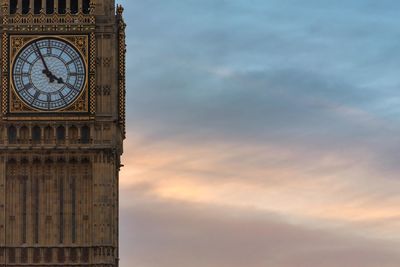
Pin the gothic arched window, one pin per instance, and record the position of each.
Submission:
(60, 133)
(85, 255)
(61, 255)
(86, 6)
(36, 255)
(25, 6)
(36, 134)
(11, 255)
(24, 255)
(49, 6)
(74, 6)
(62, 6)
(48, 256)
(13, 6)
(37, 7)
(73, 255)
(85, 135)
(12, 135)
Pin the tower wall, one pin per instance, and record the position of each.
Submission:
(59, 189)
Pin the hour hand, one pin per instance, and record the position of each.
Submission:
(49, 75)
(47, 72)
(55, 78)
(59, 80)
(52, 77)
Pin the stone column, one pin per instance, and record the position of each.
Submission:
(30, 131)
(31, 6)
(19, 7)
(68, 6)
(80, 6)
(79, 134)
(41, 141)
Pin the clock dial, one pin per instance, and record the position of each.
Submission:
(49, 74)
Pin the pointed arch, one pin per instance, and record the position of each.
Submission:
(62, 6)
(74, 6)
(49, 6)
(13, 6)
(37, 6)
(12, 134)
(25, 6)
(60, 134)
(85, 135)
(86, 6)
(36, 134)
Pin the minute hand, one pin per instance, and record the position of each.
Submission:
(46, 70)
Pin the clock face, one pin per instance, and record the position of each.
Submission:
(49, 74)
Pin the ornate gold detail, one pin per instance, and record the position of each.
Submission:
(80, 104)
(103, 90)
(48, 22)
(4, 6)
(81, 43)
(4, 68)
(92, 73)
(107, 62)
(106, 90)
(48, 118)
(121, 68)
(11, 103)
(17, 43)
(120, 10)
(92, 7)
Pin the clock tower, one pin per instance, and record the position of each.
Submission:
(62, 126)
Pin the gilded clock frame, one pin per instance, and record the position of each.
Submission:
(13, 107)
(19, 43)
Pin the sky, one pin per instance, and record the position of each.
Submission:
(261, 133)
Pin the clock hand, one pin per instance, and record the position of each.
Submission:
(59, 80)
(46, 70)
(55, 78)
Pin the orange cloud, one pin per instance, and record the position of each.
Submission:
(325, 191)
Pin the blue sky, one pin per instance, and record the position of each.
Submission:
(262, 133)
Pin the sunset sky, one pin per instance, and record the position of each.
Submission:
(262, 133)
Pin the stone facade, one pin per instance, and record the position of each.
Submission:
(59, 170)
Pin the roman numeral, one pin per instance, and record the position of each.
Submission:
(70, 86)
(37, 94)
(62, 98)
(71, 61)
(35, 97)
(26, 87)
(26, 61)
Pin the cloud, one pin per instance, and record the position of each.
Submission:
(169, 233)
(309, 187)
(262, 133)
